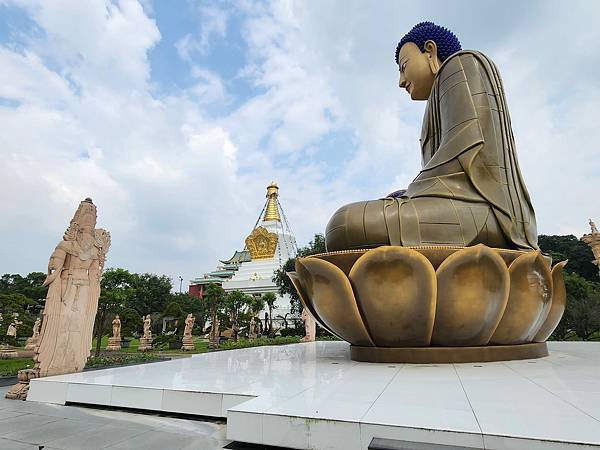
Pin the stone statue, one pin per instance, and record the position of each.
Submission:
(252, 333)
(1, 318)
(147, 324)
(74, 274)
(188, 342)
(33, 340)
(146, 339)
(470, 189)
(593, 240)
(12, 330)
(114, 342)
(189, 324)
(116, 326)
(310, 326)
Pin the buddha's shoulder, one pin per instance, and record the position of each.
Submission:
(470, 62)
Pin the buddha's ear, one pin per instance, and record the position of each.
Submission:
(432, 56)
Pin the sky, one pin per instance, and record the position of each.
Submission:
(174, 116)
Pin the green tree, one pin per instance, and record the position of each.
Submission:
(283, 282)
(150, 293)
(270, 298)
(582, 313)
(114, 294)
(578, 253)
(16, 303)
(131, 322)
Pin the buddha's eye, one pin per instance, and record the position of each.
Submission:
(403, 67)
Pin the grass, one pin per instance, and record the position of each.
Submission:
(10, 367)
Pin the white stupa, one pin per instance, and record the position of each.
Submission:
(269, 245)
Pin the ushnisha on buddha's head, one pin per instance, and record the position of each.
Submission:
(419, 55)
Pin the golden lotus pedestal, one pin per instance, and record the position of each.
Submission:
(435, 304)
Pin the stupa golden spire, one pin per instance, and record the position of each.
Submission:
(272, 211)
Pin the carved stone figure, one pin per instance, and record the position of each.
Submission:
(310, 326)
(470, 189)
(33, 340)
(114, 343)
(215, 333)
(252, 332)
(593, 240)
(188, 342)
(74, 274)
(12, 330)
(146, 339)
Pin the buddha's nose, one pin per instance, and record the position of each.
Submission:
(402, 82)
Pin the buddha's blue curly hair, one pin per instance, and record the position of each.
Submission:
(447, 43)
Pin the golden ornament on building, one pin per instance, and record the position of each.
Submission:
(261, 243)
(272, 211)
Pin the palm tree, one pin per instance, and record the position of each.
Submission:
(270, 298)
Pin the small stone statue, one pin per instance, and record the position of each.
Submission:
(114, 343)
(310, 326)
(252, 334)
(188, 342)
(12, 330)
(33, 340)
(215, 333)
(146, 340)
(593, 240)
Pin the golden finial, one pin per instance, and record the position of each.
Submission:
(272, 211)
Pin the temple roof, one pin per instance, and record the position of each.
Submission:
(238, 257)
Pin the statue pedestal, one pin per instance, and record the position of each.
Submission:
(188, 344)
(145, 344)
(8, 352)
(19, 391)
(114, 344)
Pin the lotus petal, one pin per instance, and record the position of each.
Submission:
(557, 308)
(303, 297)
(396, 289)
(528, 301)
(473, 286)
(333, 301)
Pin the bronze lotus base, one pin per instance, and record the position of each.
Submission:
(434, 304)
(435, 355)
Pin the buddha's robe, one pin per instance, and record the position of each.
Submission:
(470, 189)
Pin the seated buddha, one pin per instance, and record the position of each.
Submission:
(470, 189)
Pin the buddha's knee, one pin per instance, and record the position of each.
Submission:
(357, 225)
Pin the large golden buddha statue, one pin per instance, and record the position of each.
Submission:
(470, 189)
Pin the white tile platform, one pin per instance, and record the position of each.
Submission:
(312, 396)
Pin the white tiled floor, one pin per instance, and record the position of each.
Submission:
(314, 396)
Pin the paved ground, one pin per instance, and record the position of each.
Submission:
(35, 426)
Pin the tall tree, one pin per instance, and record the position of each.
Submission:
(578, 253)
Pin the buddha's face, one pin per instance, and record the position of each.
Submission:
(418, 69)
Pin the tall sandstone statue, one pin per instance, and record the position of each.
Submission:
(74, 275)
(470, 189)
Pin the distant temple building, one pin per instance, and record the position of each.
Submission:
(250, 270)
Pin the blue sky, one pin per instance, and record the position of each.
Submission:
(175, 115)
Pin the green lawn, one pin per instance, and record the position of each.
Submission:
(10, 367)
